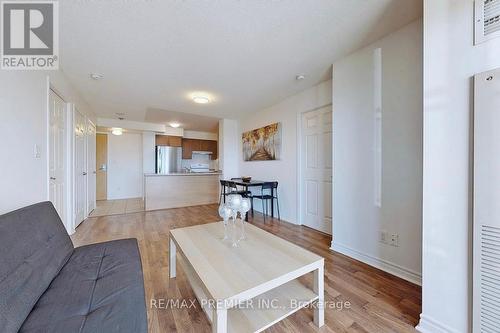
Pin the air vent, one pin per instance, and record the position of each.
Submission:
(487, 20)
(490, 279)
(491, 16)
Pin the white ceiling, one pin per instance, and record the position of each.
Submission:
(244, 53)
(188, 121)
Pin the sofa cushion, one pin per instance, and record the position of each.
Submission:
(34, 247)
(100, 289)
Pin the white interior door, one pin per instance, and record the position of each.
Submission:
(486, 260)
(57, 154)
(80, 167)
(91, 167)
(316, 169)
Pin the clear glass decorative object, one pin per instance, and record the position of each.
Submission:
(234, 231)
(225, 213)
(234, 201)
(244, 208)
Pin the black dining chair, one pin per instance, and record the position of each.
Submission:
(268, 192)
(228, 187)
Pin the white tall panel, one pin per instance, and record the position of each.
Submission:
(486, 260)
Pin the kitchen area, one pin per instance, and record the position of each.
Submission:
(186, 173)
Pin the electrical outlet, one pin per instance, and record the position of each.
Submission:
(394, 241)
(384, 237)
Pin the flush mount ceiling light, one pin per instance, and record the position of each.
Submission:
(96, 76)
(201, 99)
(300, 77)
(175, 125)
(117, 131)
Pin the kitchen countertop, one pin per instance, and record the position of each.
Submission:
(183, 174)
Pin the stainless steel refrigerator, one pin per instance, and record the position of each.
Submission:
(168, 159)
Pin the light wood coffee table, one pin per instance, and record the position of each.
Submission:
(250, 287)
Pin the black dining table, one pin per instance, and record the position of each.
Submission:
(254, 183)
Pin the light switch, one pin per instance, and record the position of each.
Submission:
(36, 151)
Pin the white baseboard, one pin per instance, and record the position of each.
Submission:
(384, 265)
(429, 325)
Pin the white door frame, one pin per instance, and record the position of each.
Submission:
(90, 170)
(107, 163)
(68, 183)
(85, 213)
(300, 204)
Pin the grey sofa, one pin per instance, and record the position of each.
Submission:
(47, 285)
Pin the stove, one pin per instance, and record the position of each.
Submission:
(200, 167)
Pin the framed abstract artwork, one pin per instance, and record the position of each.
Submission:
(262, 144)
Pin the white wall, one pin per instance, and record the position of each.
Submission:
(357, 220)
(23, 119)
(200, 135)
(228, 148)
(450, 61)
(125, 166)
(285, 170)
(148, 152)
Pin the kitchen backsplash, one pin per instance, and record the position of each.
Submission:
(201, 158)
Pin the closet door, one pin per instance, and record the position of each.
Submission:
(57, 155)
(316, 169)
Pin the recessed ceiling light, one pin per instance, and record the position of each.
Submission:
(96, 76)
(117, 131)
(300, 77)
(175, 125)
(201, 99)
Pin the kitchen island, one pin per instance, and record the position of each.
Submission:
(183, 189)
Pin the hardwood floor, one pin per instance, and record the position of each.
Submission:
(116, 207)
(379, 302)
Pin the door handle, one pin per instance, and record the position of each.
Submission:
(52, 178)
(84, 173)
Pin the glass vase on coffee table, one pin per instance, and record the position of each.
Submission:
(234, 202)
(243, 209)
(225, 212)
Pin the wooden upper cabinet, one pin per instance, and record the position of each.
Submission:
(168, 140)
(190, 145)
(175, 141)
(212, 146)
(162, 140)
(187, 149)
(204, 145)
